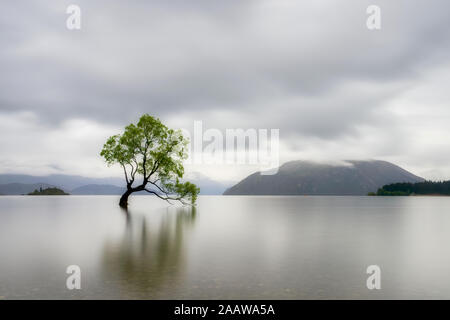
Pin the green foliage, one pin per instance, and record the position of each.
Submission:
(419, 188)
(48, 192)
(382, 192)
(154, 152)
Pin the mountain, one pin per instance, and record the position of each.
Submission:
(310, 178)
(12, 184)
(207, 186)
(98, 189)
(21, 188)
(65, 182)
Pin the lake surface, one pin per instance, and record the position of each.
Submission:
(233, 247)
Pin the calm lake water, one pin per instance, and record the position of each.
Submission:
(227, 248)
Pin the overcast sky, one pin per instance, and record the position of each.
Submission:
(312, 69)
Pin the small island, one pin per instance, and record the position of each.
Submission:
(430, 188)
(48, 192)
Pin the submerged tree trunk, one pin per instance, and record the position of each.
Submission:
(124, 198)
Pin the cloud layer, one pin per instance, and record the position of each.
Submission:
(335, 89)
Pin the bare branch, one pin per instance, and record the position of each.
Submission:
(133, 173)
(125, 172)
(159, 196)
(155, 167)
(167, 198)
(162, 190)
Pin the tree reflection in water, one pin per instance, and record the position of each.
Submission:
(150, 255)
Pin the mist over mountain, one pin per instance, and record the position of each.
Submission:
(311, 178)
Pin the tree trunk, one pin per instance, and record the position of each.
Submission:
(124, 198)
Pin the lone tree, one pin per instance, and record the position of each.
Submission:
(153, 154)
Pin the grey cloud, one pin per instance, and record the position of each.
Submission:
(310, 69)
(175, 59)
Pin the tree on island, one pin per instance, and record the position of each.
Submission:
(418, 188)
(154, 152)
(48, 192)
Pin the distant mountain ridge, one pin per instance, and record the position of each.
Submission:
(21, 188)
(65, 182)
(17, 184)
(98, 189)
(355, 177)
